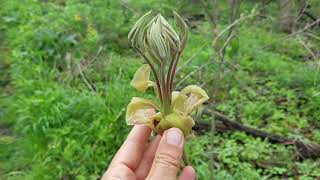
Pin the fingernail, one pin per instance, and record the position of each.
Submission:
(174, 136)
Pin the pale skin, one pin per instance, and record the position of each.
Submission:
(158, 160)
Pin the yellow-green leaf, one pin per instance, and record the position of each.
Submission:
(178, 102)
(183, 30)
(196, 97)
(141, 80)
(184, 123)
(141, 111)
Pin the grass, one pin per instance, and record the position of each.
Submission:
(56, 127)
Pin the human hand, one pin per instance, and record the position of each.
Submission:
(158, 160)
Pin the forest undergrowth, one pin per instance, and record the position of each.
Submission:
(65, 72)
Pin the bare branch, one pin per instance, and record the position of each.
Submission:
(193, 72)
(237, 21)
(305, 28)
(192, 57)
(91, 87)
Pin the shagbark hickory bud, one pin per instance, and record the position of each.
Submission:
(161, 40)
(161, 46)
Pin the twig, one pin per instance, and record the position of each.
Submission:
(97, 55)
(207, 82)
(120, 114)
(221, 50)
(312, 35)
(230, 26)
(212, 16)
(225, 45)
(125, 5)
(91, 61)
(301, 12)
(217, 76)
(191, 58)
(291, 35)
(85, 79)
(309, 15)
(307, 48)
(194, 71)
(305, 28)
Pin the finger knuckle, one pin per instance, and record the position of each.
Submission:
(118, 172)
(167, 160)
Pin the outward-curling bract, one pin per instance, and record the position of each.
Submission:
(161, 46)
(141, 80)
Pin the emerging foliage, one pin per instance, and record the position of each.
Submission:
(160, 46)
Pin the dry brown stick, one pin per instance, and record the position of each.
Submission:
(305, 28)
(304, 150)
(91, 87)
(234, 125)
(312, 35)
(234, 23)
(194, 71)
(291, 35)
(187, 62)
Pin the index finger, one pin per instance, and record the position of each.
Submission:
(130, 153)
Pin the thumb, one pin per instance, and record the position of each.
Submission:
(169, 153)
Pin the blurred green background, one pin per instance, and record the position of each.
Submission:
(65, 69)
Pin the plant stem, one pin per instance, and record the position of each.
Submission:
(165, 95)
(154, 74)
(172, 70)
